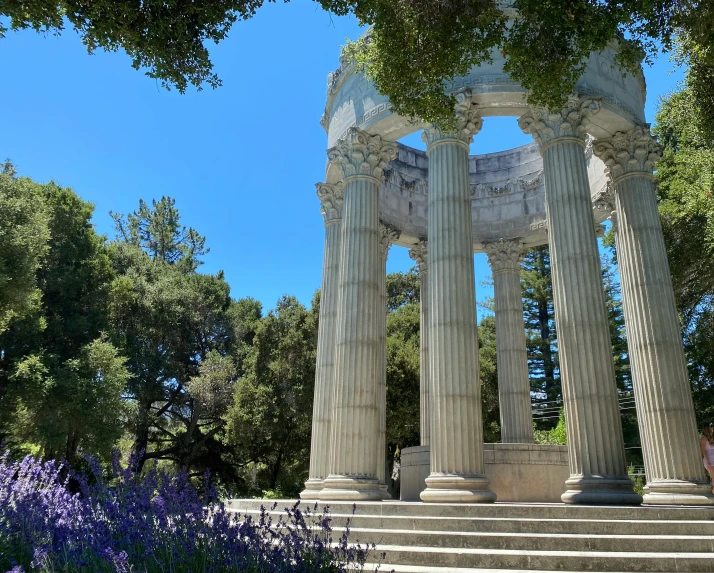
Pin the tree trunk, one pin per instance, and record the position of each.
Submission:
(141, 438)
(276, 470)
(72, 445)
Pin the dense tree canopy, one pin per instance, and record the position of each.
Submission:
(414, 47)
(23, 244)
(60, 378)
(271, 415)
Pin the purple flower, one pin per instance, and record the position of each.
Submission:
(153, 522)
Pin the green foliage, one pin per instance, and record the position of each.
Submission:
(158, 231)
(638, 480)
(488, 374)
(403, 418)
(174, 326)
(427, 42)
(23, 244)
(270, 419)
(61, 379)
(685, 173)
(73, 405)
(402, 289)
(548, 45)
(555, 436)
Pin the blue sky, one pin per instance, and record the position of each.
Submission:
(241, 161)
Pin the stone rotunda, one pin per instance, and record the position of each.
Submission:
(591, 161)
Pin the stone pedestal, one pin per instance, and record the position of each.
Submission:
(420, 254)
(514, 393)
(353, 461)
(597, 455)
(331, 197)
(457, 473)
(520, 473)
(665, 411)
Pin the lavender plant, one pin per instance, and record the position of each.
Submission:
(153, 523)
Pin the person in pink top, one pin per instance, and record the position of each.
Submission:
(707, 446)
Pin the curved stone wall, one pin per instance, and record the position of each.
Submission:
(507, 190)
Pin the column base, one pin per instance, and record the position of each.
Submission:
(312, 489)
(348, 488)
(457, 488)
(678, 492)
(385, 491)
(600, 491)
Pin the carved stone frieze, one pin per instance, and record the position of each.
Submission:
(633, 151)
(331, 200)
(511, 186)
(387, 236)
(468, 122)
(605, 199)
(504, 255)
(411, 184)
(547, 125)
(539, 225)
(419, 253)
(361, 154)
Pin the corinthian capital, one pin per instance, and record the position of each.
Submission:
(331, 200)
(387, 236)
(504, 255)
(361, 154)
(546, 125)
(419, 254)
(633, 151)
(468, 122)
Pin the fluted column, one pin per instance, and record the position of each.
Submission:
(457, 470)
(419, 254)
(514, 392)
(387, 235)
(353, 463)
(665, 411)
(331, 197)
(598, 473)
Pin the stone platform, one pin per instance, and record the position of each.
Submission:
(517, 472)
(470, 538)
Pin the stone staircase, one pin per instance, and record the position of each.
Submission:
(421, 538)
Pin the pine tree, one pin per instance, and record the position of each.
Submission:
(539, 319)
(620, 355)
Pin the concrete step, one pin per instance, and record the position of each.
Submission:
(516, 525)
(545, 560)
(369, 567)
(495, 510)
(535, 541)
(423, 538)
